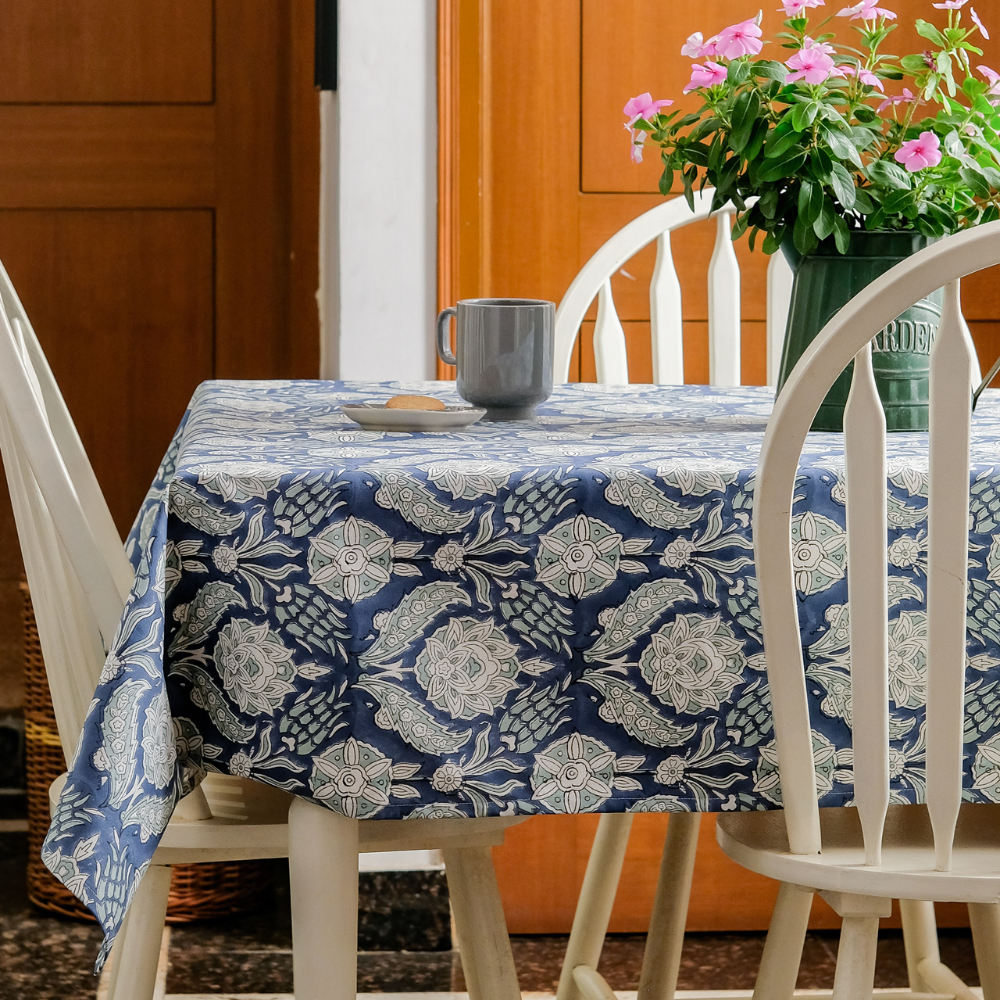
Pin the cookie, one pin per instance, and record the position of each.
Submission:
(414, 403)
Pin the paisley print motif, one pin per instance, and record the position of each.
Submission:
(554, 616)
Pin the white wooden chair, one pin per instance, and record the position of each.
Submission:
(594, 281)
(79, 578)
(859, 859)
(661, 960)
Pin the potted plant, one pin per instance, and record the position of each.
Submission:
(844, 178)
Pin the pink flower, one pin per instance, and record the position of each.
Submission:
(919, 153)
(979, 24)
(812, 64)
(867, 10)
(993, 78)
(642, 106)
(705, 76)
(795, 7)
(951, 5)
(741, 39)
(697, 48)
(866, 76)
(894, 99)
(692, 47)
(822, 46)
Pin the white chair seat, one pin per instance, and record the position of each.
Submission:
(759, 841)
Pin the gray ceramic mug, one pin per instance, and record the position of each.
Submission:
(504, 353)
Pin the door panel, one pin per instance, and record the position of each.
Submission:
(545, 156)
(100, 51)
(107, 156)
(159, 212)
(124, 300)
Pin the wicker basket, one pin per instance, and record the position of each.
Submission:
(197, 892)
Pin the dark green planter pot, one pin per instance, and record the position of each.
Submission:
(826, 280)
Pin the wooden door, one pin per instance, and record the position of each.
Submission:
(535, 176)
(159, 178)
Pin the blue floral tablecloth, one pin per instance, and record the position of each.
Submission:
(548, 617)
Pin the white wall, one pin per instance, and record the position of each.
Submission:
(379, 244)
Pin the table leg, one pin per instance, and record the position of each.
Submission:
(323, 868)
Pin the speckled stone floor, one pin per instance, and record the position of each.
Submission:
(44, 958)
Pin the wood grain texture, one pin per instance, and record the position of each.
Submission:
(535, 152)
(86, 156)
(126, 322)
(303, 200)
(106, 51)
(159, 179)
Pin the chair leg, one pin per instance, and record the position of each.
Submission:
(779, 965)
(133, 974)
(597, 896)
(323, 869)
(985, 921)
(855, 975)
(661, 959)
(482, 929)
(920, 939)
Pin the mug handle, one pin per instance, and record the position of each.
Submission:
(443, 338)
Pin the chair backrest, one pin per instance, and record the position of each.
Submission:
(77, 571)
(848, 335)
(665, 312)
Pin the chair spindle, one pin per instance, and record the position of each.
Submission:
(666, 317)
(947, 575)
(867, 586)
(610, 355)
(724, 306)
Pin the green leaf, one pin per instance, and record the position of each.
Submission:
(771, 244)
(803, 236)
(780, 139)
(928, 31)
(757, 137)
(863, 202)
(865, 114)
(666, 181)
(900, 203)
(803, 115)
(771, 70)
(782, 166)
(743, 118)
(914, 65)
(887, 174)
(768, 203)
(843, 185)
(841, 145)
(739, 72)
(976, 182)
(705, 128)
(841, 234)
(821, 164)
(824, 225)
(810, 201)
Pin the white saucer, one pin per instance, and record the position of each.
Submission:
(376, 417)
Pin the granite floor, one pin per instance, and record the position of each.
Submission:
(405, 947)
